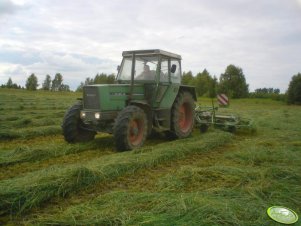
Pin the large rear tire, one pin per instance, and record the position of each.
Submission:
(74, 130)
(130, 129)
(182, 116)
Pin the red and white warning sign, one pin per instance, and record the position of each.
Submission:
(223, 100)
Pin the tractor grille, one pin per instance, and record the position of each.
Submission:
(91, 97)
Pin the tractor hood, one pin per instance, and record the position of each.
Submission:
(110, 97)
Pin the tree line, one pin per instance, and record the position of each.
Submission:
(232, 83)
(55, 84)
(98, 79)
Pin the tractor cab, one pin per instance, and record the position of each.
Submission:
(158, 71)
(151, 66)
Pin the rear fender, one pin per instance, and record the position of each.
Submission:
(190, 89)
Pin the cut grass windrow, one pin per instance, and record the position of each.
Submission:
(27, 122)
(129, 208)
(193, 194)
(29, 132)
(23, 193)
(27, 154)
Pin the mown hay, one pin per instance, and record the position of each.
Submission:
(143, 208)
(22, 193)
(38, 153)
(29, 132)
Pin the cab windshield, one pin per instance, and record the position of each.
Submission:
(145, 68)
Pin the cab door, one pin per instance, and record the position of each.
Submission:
(169, 82)
(163, 81)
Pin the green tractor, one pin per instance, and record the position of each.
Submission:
(147, 96)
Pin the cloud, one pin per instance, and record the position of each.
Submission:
(74, 67)
(88, 37)
(14, 71)
(18, 57)
(8, 7)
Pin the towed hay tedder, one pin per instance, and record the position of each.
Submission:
(208, 116)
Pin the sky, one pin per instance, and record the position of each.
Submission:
(80, 38)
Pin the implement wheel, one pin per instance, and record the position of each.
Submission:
(130, 128)
(182, 115)
(74, 130)
(203, 128)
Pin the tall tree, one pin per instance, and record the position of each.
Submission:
(9, 83)
(65, 87)
(187, 78)
(88, 81)
(233, 82)
(80, 87)
(57, 82)
(32, 82)
(100, 79)
(47, 83)
(111, 79)
(212, 87)
(294, 90)
(202, 83)
(277, 91)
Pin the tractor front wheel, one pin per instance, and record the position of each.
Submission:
(74, 130)
(182, 115)
(130, 129)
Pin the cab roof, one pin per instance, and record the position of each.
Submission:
(150, 52)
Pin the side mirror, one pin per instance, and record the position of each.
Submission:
(118, 68)
(173, 68)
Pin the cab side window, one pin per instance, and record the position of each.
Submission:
(176, 76)
(164, 70)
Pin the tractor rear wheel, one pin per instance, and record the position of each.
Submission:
(130, 129)
(182, 115)
(74, 130)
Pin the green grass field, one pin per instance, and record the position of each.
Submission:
(215, 178)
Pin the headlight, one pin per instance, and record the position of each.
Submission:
(97, 115)
(82, 115)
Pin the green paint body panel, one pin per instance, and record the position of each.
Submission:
(114, 97)
(168, 97)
